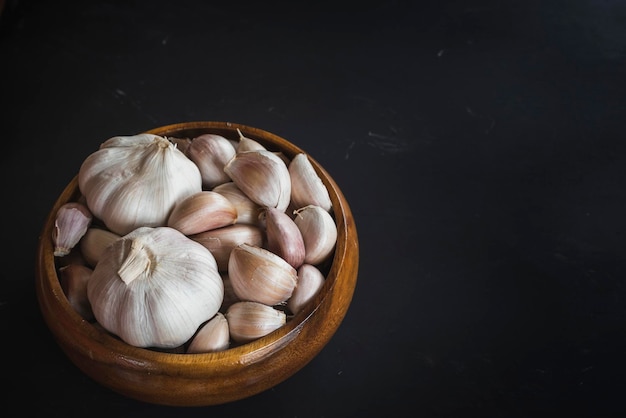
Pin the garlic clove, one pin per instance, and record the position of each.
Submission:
(181, 143)
(221, 241)
(310, 281)
(284, 237)
(248, 321)
(262, 176)
(247, 210)
(259, 275)
(211, 337)
(73, 279)
(319, 232)
(71, 223)
(201, 212)
(247, 144)
(307, 188)
(211, 152)
(94, 242)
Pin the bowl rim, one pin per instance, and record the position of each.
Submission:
(79, 337)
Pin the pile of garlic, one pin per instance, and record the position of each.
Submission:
(193, 245)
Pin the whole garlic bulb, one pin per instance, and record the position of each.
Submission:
(154, 287)
(134, 181)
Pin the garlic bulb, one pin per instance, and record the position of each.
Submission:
(211, 152)
(212, 336)
(262, 176)
(307, 187)
(134, 181)
(319, 232)
(248, 321)
(259, 275)
(71, 223)
(154, 287)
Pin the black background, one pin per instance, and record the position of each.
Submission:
(480, 145)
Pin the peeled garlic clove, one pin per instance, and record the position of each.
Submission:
(212, 336)
(319, 232)
(73, 279)
(248, 321)
(94, 242)
(310, 281)
(201, 212)
(154, 287)
(284, 237)
(71, 223)
(307, 187)
(221, 241)
(247, 144)
(247, 210)
(262, 176)
(211, 152)
(259, 275)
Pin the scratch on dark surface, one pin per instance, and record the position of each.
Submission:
(492, 121)
(122, 96)
(440, 53)
(350, 146)
(387, 144)
(273, 111)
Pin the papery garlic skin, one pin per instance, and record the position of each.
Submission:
(71, 223)
(211, 337)
(154, 287)
(262, 176)
(259, 275)
(248, 321)
(134, 181)
(307, 188)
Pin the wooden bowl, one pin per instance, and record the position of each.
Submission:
(212, 378)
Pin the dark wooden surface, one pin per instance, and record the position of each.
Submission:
(480, 145)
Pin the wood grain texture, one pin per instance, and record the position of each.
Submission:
(212, 378)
